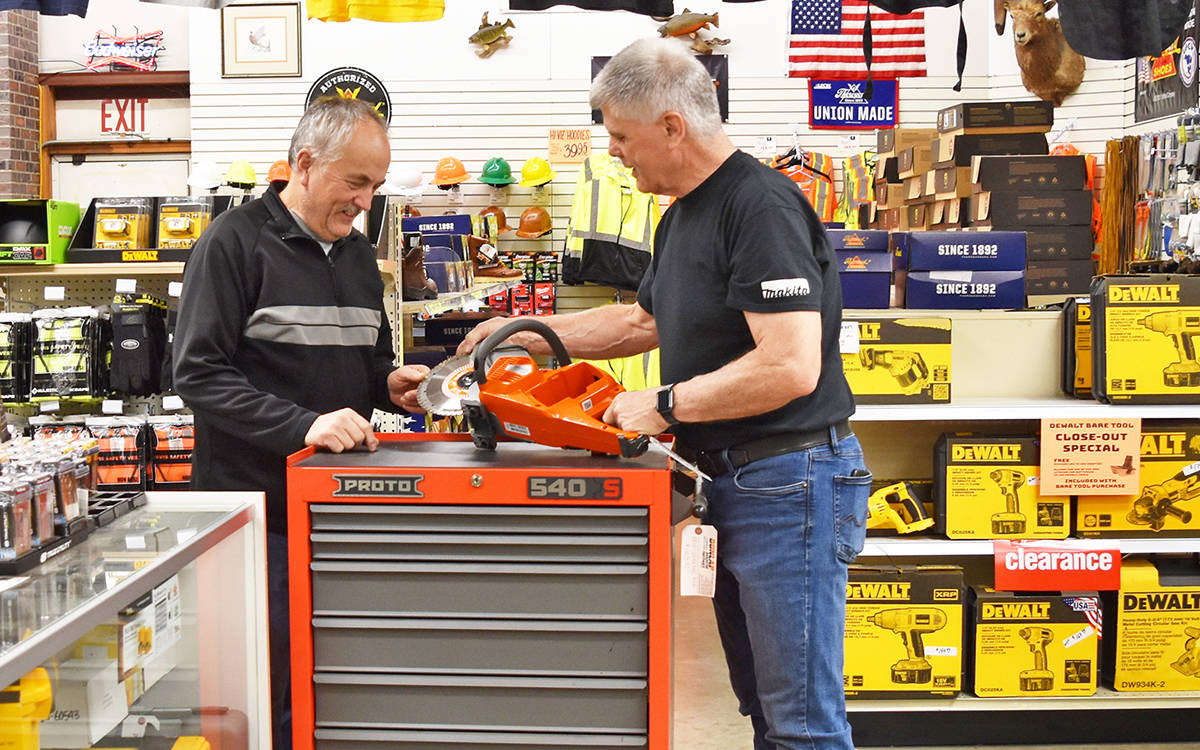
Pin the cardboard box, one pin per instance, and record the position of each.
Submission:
(964, 290)
(887, 168)
(966, 251)
(914, 160)
(959, 150)
(952, 182)
(1015, 210)
(1170, 474)
(858, 239)
(866, 278)
(1144, 331)
(1029, 173)
(898, 360)
(914, 188)
(904, 631)
(1156, 646)
(1077, 347)
(996, 117)
(1059, 243)
(889, 219)
(988, 487)
(950, 214)
(89, 702)
(916, 216)
(36, 231)
(1059, 276)
(1033, 645)
(897, 139)
(889, 194)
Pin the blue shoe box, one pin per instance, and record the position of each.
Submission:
(449, 224)
(964, 290)
(866, 277)
(966, 251)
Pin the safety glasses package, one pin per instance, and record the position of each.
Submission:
(172, 441)
(15, 357)
(121, 460)
(68, 354)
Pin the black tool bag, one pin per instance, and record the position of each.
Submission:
(902, 7)
(139, 342)
(1122, 29)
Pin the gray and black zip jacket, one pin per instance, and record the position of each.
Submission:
(271, 334)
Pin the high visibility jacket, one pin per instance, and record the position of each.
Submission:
(814, 176)
(1089, 163)
(612, 223)
(636, 372)
(376, 10)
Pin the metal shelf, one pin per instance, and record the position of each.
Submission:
(72, 270)
(1103, 699)
(933, 547)
(454, 300)
(1008, 409)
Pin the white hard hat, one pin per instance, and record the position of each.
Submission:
(204, 175)
(404, 181)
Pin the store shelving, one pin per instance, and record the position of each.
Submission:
(448, 301)
(1103, 699)
(927, 547)
(1009, 409)
(76, 270)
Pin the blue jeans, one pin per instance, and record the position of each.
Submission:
(786, 529)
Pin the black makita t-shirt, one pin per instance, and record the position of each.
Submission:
(745, 240)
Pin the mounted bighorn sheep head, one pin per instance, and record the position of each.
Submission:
(1050, 69)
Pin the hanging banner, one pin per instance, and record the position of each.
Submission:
(1166, 85)
(843, 105)
(716, 65)
(1091, 456)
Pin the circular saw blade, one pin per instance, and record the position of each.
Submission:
(444, 388)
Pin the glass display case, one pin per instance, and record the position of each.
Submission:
(151, 633)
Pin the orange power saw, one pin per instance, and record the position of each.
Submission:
(501, 391)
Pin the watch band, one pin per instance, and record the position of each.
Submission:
(666, 404)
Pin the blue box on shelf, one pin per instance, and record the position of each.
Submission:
(857, 239)
(449, 224)
(966, 251)
(866, 278)
(964, 290)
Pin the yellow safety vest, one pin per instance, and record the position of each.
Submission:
(376, 10)
(857, 187)
(636, 372)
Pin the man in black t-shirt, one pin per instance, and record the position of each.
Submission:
(743, 299)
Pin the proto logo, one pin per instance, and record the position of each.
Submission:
(1187, 62)
(375, 485)
(779, 288)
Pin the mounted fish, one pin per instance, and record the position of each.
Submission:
(688, 23)
(705, 45)
(491, 36)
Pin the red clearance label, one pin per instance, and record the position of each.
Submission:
(1071, 565)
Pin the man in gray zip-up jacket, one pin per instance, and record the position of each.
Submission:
(282, 340)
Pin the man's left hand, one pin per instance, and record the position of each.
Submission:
(636, 411)
(402, 387)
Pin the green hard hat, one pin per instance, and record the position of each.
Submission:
(496, 171)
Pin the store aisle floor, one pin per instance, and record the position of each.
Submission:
(706, 716)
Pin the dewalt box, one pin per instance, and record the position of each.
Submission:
(1144, 331)
(904, 631)
(988, 487)
(1077, 347)
(1156, 641)
(1033, 644)
(966, 251)
(899, 360)
(1170, 480)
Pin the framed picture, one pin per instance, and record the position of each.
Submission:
(260, 41)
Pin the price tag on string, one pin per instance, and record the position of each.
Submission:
(112, 406)
(174, 288)
(54, 293)
(126, 286)
(570, 144)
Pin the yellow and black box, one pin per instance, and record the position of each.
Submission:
(904, 631)
(181, 221)
(1144, 335)
(1157, 635)
(899, 360)
(1077, 347)
(1170, 480)
(1033, 644)
(989, 487)
(123, 223)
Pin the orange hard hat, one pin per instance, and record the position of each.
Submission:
(501, 217)
(450, 171)
(534, 222)
(280, 171)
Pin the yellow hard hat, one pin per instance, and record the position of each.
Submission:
(241, 175)
(536, 171)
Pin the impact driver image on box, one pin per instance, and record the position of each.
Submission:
(1144, 331)
(989, 487)
(904, 631)
(899, 361)
(1034, 644)
(1170, 482)
(1157, 623)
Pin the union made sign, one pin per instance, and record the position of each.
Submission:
(844, 105)
(1069, 565)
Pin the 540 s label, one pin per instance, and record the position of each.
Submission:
(575, 488)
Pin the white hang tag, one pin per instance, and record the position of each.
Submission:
(126, 286)
(698, 561)
(175, 288)
(848, 339)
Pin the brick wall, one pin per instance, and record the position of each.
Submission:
(19, 140)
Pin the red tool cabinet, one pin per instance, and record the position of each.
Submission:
(448, 597)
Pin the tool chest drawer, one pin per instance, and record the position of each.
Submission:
(490, 519)
(357, 739)
(588, 548)
(595, 648)
(549, 704)
(449, 589)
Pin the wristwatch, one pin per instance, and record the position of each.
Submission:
(666, 404)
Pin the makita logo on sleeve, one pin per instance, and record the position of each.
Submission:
(780, 288)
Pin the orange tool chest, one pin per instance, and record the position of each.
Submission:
(448, 597)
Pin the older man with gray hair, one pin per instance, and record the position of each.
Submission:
(282, 339)
(743, 299)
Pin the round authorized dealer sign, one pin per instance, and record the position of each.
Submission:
(1187, 62)
(352, 83)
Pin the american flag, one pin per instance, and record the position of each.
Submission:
(898, 48)
(1090, 606)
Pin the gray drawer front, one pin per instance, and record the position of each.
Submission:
(611, 649)
(551, 704)
(480, 589)
(489, 519)
(619, 548)
(376, 739)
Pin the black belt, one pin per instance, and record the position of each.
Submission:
(717, 463)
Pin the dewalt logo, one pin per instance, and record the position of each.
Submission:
(868, 331)
(945, 595)
(1083, 313)
(985, 452)
(139, 255)
(878, 591)
(1188, 601)
(1016, 611)
(1163, 444)
(1143, 293)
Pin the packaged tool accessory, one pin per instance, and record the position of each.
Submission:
(68, 354)
(139, 330)
(121, 460)
(172, 440)
(182, 220)
(123, 223)
(15, 356)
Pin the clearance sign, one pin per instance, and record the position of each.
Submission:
(1074, 565)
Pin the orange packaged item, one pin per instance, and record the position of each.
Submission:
(171, 451)
(121, 460)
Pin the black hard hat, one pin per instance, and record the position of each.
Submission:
(22, 232)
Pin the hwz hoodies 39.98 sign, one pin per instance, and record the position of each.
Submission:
(843, 105)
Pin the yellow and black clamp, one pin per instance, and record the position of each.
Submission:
(897, 507)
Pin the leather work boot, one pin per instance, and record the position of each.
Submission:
(414, 284)
(487, 261)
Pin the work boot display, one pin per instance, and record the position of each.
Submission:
(487, 261)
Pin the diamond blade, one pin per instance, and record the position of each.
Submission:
(444, 388)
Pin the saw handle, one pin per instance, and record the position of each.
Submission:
(488, 345)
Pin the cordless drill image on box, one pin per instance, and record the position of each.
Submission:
(1039, 678)
(911, 623)
(1159, 501)
(1011, 520)
(1182, 327)
(907, 367)
(1188, 662)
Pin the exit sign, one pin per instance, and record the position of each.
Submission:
(124, 116)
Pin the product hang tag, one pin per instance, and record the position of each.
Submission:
(848, 340)
(174, 288)
(698, 561)
(126, 286)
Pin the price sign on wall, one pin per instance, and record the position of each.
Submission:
(570, 144)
